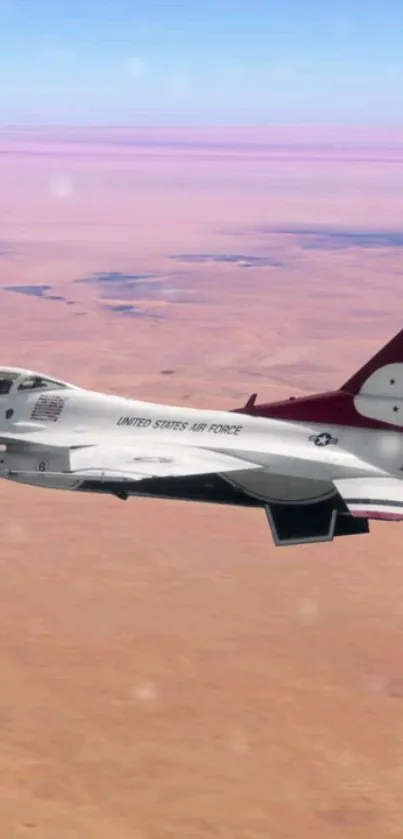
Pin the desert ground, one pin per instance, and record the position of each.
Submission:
(166, 673)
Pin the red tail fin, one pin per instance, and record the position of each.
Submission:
(391, 353)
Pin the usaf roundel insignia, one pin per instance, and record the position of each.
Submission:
(323, 439)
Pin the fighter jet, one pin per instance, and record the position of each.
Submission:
(319, 466)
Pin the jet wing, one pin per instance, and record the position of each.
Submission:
(160, 461)
(135, 463)
(372, 498)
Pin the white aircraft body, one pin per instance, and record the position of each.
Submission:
(320, 466)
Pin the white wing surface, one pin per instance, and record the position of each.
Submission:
(159, 461)
(135, 463)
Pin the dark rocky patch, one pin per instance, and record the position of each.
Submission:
(321, 237)
(117, 277)
(36, 291)
(31, 290)
(124, 309)
(129, 310)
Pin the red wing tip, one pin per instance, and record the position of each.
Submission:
(380, 516)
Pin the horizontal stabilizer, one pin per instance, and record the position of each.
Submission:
(372, 498)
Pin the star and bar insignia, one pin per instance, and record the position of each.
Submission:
(323, 439)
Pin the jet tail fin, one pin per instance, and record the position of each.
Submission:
(382, 375)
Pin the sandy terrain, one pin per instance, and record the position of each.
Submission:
(166, 673)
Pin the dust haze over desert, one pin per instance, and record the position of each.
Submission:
(166, 671)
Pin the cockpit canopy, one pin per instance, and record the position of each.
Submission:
(6, 381)
(23, 380)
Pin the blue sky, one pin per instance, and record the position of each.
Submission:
(201, 61)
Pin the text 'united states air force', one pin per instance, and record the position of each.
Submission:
(179, 425)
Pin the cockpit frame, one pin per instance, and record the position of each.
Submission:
(18, 381)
